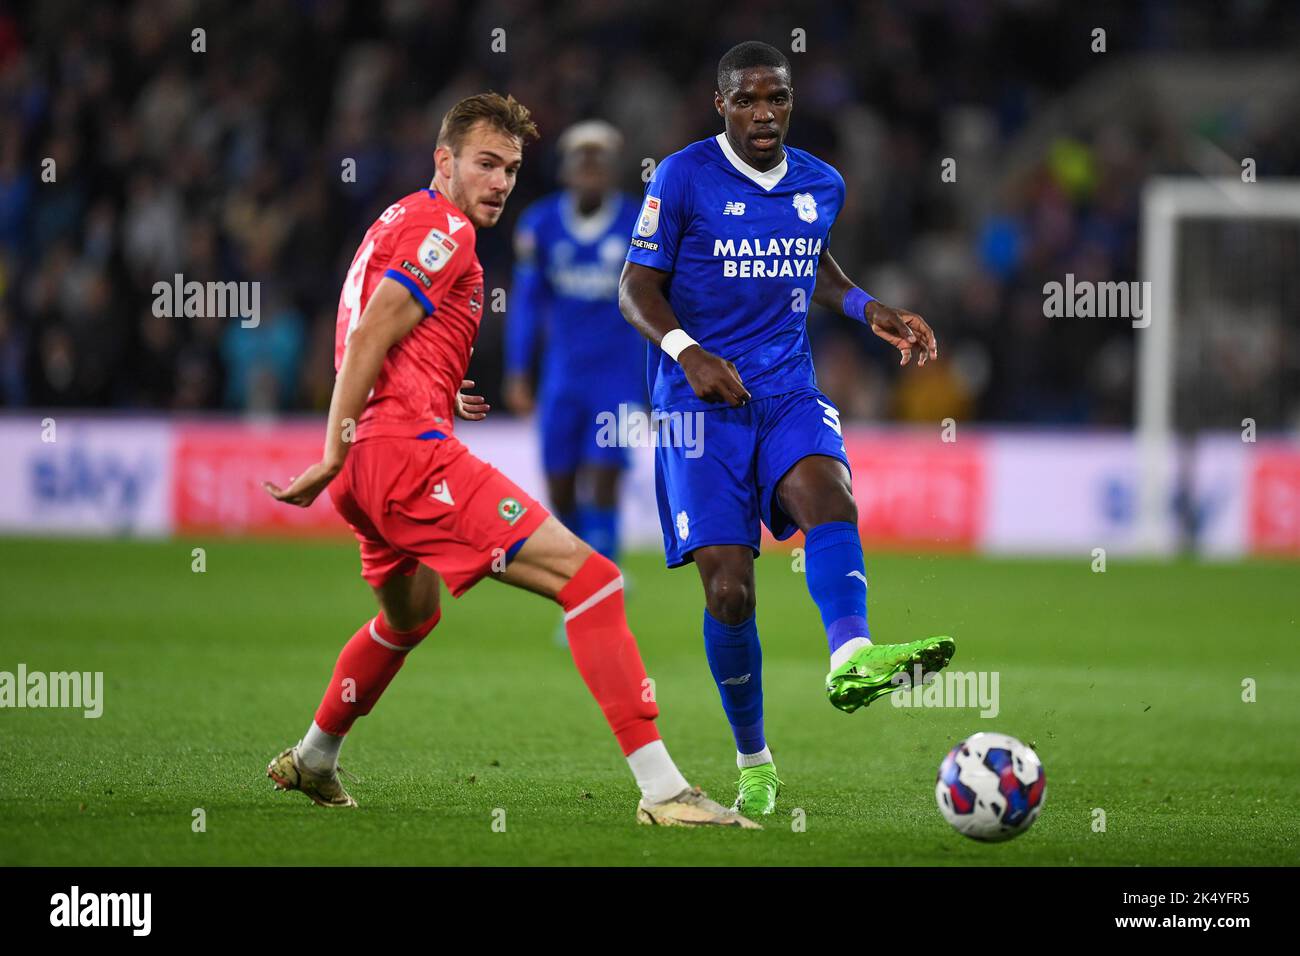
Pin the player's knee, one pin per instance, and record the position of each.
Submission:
(834, 504)
(417, 616)
(730, 598)
(595, 576)
(597, 568)
(404, 633)
(846, 508)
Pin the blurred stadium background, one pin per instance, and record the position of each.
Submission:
(1171, 434)
(226, 165)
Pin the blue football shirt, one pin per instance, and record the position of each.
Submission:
(565, 298)
(742, 248)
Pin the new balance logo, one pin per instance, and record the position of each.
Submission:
(734, 209)
(832, 417)
(441, 492)
(742, 679)
(453, 223)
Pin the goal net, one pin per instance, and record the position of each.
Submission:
(1220, 357)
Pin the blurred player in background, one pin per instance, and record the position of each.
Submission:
(730, 248)
(569, 251)
(423, 507)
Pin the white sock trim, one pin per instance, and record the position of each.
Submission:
(847, 650)
(319, 750)
(374, 632)
(655, 772)
(753, 760)
(587, 605)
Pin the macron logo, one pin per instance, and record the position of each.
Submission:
(453, 223)
(442, 492)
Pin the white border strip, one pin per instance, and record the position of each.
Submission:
(606, 591)
(374, 632)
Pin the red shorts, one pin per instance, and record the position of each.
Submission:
(417, 501)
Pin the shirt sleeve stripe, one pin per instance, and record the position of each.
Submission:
(412, 288)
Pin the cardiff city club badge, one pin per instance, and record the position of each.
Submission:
(648, 224)
(805, 206)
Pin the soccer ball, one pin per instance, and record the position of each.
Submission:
(990, 787)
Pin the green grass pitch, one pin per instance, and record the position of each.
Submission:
(1128, 683)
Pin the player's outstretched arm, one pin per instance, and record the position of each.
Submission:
(902, 329)
(389, 315)
(643, 303)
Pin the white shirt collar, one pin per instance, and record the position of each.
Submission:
(767, 180)
(587, 229)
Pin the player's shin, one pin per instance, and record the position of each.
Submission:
(366, 666)
(837, 581)
(736, 661)
(607, 656)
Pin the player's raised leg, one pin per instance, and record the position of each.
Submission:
(366, 666)
(816, 492)
(555, 563)
(736, 662)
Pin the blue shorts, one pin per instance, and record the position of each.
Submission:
(570, 426)
(718, 489)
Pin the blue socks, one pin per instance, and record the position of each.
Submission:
(736, 661)
(599, 528)
(837, 581)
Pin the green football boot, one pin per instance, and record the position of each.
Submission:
(758, 789)
(870, 672)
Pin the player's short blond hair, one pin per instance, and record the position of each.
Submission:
(501, 112)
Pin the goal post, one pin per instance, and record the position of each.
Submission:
(1169, 205)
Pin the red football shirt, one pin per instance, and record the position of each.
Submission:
(426, 244)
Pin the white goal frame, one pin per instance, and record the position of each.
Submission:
(1166, 201)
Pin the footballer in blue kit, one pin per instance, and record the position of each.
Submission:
(569, 250)
(727, 254)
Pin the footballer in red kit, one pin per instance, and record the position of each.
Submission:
(453, 511)
(423, 507)
(426, 244)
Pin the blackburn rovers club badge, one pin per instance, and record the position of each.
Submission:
(805, 206)
(510, 509)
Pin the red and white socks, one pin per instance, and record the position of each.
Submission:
(607, 657)
(366, 666)
(603, 649)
